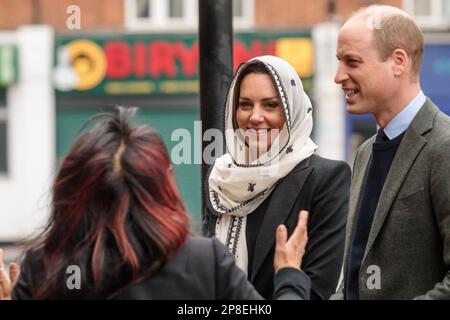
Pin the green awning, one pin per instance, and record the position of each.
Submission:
(8, 65)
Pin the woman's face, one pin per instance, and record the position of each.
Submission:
(259, 112)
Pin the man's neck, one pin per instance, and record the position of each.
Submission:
(396, 105)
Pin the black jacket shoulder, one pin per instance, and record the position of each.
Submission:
(203, 269)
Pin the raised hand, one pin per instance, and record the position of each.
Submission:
(7, 282)
(289, 252)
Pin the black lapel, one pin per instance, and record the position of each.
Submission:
(279, 208)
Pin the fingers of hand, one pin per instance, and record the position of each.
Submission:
(280, 250)
(14, 273)
(1, 259)
(3, 274)
(300, 231)
(281, 235)
(7, 281)
(303, 218)
(4, 284)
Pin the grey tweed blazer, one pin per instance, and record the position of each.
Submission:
(409, 242)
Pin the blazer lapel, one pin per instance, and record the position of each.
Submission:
(409, 149)
(358, 178)
(279, 208)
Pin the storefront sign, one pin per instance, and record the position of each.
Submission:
(8, 65)
(160, 64)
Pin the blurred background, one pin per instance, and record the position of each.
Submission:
(61, 61)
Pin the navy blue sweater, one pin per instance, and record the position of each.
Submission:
(383, 152)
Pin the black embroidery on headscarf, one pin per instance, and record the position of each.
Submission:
(220, 188)
(229, 165)
(289, 149)
(309, 110)
(251, 186)
(293, 83)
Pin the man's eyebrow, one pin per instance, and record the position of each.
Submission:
(350, 56)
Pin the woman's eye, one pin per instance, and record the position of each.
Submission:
(273, 104)
(244, 104)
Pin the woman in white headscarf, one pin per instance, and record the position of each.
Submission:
(270, 172)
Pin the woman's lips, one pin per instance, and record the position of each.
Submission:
(257, 131)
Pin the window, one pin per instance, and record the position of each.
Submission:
(178, 14)
(3, 133)
(243, 13)
(430, 14)
(176, 9)
(446, 9)
(422, 8)
(143, 9)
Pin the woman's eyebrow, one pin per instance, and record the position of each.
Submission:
(263, 99)
(271, 98)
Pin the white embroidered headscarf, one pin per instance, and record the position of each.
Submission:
(237, 187)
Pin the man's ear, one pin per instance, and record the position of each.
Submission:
(401, 62)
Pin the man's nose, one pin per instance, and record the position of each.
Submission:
(341, 75)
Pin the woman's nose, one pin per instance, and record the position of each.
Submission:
(256, 116)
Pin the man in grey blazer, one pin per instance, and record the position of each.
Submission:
(398, 231)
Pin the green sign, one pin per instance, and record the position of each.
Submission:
(8, 65)
(161, 64)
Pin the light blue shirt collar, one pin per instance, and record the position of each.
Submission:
(401, 121)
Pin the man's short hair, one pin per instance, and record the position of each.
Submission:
(393, 29)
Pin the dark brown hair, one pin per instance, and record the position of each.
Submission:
(116, 212)
(255, 66)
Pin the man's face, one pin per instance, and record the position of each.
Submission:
(367, 81)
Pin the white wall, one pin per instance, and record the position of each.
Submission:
(330, 110)
(24, 193)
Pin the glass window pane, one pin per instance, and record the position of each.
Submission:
(176, 8)
(422, 8)
(446, 9)
(143, 8)
(2, 98)
(237, 8)
(3, 156)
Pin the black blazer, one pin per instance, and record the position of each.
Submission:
(320, 186)
(202, 269)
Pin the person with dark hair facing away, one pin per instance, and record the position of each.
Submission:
(116, 215)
